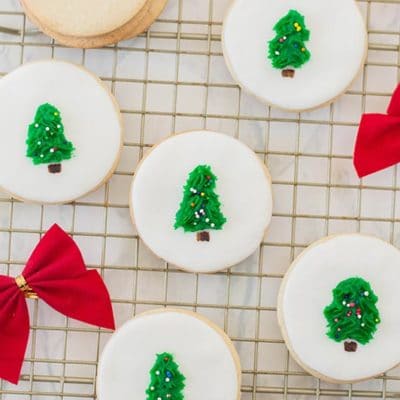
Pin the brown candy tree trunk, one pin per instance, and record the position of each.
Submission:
(54, 168)
(203, 237)
(288, 73)
(350, 346)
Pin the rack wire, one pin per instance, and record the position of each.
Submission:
(173, 78)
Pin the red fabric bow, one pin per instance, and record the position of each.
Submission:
(57, 274)
(378, 140)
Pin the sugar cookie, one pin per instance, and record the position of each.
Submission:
(201, 200)
(338, 308)
(61, 135)
(294, 54)
(169, 354)
(92, 23)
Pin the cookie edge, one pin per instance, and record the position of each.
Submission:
(121, 130)
(226, 339)
(271, 104)
(131, 212)
(135, 26)
(281, 319)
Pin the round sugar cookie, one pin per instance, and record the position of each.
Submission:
(338, 308)
(201, 200)
(294, 54)
(62, 132)
(92, 23)
(169, 354)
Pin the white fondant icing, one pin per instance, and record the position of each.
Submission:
(244, 191)
(337, 44)
(307, 290)
(91, 122)
(205, 357)
(84, 17)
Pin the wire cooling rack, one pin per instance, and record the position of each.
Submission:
(173, 78)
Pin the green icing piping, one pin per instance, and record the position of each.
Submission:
(352, 313)
(200, 207)
(287, 48)
(166, 381)
(46, 142)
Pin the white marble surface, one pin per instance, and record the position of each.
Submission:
(315, 187)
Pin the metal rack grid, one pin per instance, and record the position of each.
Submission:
(316, 192)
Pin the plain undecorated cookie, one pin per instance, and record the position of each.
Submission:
(337, 44)
(79, 122)
(307, 291)
(205, 356)
(230, 231)
(92, 23)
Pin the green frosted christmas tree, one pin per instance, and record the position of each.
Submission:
(46, 143)
(352, 316)
(166, 381)
(287, 49)
(200, 208)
